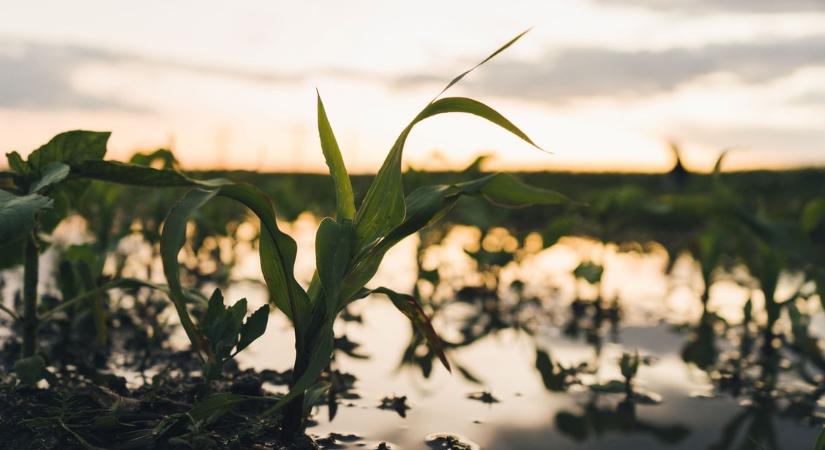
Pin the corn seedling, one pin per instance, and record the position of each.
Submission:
(37, 193)
(349, 247)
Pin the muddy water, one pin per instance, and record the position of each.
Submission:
(657, 313)
(526, 415)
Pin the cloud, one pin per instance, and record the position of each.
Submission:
(34, 76)
(599, 72)
(717, 6)
(39, 76)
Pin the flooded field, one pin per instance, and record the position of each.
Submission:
(509, 392)
(144, 308)
(536, 351)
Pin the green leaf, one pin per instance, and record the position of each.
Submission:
(383, 207)
(30, 370)
(343, 187)
(492, 55)
(334, 247)
(71, 147)
(17, 214)
(506, 190)
(140, 175)
(51, 174)
(410, 307)
(427, 205)
(254, 327)
(214, 311)
(277, 250)
(172, 240)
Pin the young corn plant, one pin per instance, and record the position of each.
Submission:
(40, 191)
(35, 195)
(349, 247)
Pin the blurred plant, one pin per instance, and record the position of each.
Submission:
(36, 195)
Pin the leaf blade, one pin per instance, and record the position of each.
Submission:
(345, 201)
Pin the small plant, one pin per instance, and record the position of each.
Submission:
(225, 330)
(349, 247)
(37, 194)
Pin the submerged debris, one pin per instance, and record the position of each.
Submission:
(333, 440)
(397, 404)
(484, 397)
(449, 441)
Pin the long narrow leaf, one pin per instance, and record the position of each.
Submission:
(278, 252)
(383, 207)
(428, 204)
(332, 154)
(134, 174)
(492, 55)
(172, 240)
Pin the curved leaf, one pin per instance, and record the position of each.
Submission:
(139, 175)
(383, 207)
(492, 55)
(428, 204)
(277, 249)
(172, 240)
(277, 252)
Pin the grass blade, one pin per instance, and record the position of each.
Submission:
(492, 55)
(332, 154)
(383, 207)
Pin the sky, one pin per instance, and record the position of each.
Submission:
(603, 85)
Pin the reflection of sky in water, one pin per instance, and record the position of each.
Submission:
(526, 417)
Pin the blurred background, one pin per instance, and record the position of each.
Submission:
(603, 84)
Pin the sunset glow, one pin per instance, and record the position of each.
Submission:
(603, 84)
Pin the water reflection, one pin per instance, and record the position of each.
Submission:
(537, 346)
(762, 397)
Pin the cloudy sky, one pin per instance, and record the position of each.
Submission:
(603, 84)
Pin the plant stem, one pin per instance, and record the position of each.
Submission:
(294, 423)
(30, 275)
